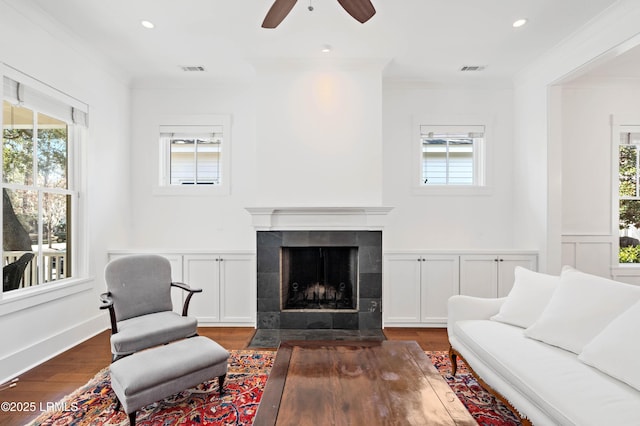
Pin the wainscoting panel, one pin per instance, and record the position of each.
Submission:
(588, 253)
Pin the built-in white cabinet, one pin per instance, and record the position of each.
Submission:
(228, 287)
(227, 280)
(492, 275)
(417, 287)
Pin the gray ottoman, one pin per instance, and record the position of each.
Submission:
(153, 374)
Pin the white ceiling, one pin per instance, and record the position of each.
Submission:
(427, 40)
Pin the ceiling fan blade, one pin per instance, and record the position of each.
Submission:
(361, 10)
(279, 10)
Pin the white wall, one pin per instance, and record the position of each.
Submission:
(302, 135)
(431, 221)
(312, 135)
(538, 134)
(192, 222)
(587, 223)
(31, 43)
(319, 134)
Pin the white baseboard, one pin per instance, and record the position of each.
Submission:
(27, 358)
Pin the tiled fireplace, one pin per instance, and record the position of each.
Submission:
(336, 283)
(319, 268)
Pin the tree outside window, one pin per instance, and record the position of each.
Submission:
(36, 195)
(629, 196)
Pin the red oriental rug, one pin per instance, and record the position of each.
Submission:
(94, 403)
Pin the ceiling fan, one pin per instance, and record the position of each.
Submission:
(361, 10)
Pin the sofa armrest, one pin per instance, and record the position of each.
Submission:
(462, 307)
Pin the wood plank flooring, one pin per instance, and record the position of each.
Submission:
(52, 380)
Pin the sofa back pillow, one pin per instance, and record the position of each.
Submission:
(580, 308)
(615, 350)
(528, 298)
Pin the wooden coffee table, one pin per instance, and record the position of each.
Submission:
(357, 383)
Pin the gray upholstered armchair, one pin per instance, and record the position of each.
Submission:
(138, 298)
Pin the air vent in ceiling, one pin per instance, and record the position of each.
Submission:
(472, 68)
(193, 69)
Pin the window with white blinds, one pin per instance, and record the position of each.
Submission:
(43, 130)
(451, 155)
(194, 155)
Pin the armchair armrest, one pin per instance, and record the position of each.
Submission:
(107, 303)
(192, 291)
(462, 307)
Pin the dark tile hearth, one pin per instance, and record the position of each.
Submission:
(271, 338)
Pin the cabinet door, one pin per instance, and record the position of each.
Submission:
(202, 271)
(401, 302)
(440, 281)
(506, 269)
(237, 288)
(479, 275)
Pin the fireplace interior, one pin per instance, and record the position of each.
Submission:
(319, 278)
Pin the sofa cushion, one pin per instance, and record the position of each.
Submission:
(580, 308)
(615, 350)
(527, 299)
(567, 390)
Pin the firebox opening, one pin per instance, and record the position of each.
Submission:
(319, 278)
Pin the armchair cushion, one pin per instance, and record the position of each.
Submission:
(139, 285)
(149, 330)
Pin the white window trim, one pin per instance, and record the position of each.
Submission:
(80, 280)
(482, 158)
(162, 187)
(618, 123)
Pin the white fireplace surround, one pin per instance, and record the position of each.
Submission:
(318, 218)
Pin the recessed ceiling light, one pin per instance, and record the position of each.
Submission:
(326, 48)
(519, 23)
(147, 24)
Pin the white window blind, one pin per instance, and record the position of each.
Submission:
(194, 154)
(449, 154)
(32, 94)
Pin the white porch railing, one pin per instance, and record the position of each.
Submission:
(54, 266)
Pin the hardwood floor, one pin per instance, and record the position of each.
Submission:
(52, 380)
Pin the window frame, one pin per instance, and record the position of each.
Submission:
(164, 186)
(619, 124)
(76, 185)
(481, 156)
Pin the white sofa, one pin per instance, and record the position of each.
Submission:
(562, 350)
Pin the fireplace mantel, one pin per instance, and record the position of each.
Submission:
(318, 218)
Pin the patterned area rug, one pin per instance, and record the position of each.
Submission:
(94, 403)
(483, 406)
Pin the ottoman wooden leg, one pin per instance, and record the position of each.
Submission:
(132, 419)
